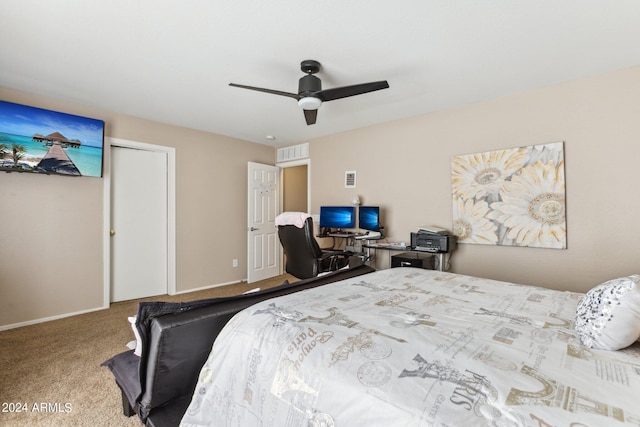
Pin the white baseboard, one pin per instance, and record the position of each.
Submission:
(62, 316)
(48, 319)
(204, 288)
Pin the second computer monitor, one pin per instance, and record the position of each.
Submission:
(369, 218)
(337, 217)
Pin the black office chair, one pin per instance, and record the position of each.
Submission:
(305, 259)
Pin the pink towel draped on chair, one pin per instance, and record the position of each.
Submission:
(292, 218)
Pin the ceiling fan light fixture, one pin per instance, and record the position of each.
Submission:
(310, 95)
(309, 103)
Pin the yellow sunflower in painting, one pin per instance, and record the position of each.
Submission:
(483, 174)
(470, 223)
(532, 207)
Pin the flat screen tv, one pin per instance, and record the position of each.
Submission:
(49, 142)
(369, 218)
(337, 217)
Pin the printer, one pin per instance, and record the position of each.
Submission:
(439, 241)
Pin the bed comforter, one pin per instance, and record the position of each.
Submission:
(413, 347)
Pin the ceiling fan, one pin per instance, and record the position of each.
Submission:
(310, 95)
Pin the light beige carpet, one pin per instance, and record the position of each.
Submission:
(50, 373)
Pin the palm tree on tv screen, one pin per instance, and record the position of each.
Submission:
(17, 153)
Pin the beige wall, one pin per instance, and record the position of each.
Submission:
(52, 226)
(407, 171)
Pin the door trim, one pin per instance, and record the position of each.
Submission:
(171, 211)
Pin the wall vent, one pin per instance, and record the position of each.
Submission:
(350, 179)
(294, 152)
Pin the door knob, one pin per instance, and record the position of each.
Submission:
(253, 229)
(112, 232)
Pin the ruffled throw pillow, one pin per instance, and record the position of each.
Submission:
(608, 316)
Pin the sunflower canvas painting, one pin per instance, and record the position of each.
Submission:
(513, 197)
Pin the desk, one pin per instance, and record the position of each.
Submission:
(334, 247)
(348, 243)
(390, 248)
(343, 234)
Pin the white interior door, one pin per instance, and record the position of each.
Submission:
(263, 257)
(139, 223)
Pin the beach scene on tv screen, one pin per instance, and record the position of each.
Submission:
(43, 141)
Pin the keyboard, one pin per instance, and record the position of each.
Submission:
(342, 234)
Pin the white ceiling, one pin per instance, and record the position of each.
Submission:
(172, 61)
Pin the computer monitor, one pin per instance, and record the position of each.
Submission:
(369, 218)
(337, 217)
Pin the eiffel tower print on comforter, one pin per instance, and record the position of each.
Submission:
(413, 347)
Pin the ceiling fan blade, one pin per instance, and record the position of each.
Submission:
(260, 89)
(345, 91)
(310, 116)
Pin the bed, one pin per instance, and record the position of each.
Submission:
(414, 347)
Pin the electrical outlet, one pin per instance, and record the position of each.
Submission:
(235, 262)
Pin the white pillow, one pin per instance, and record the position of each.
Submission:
(608, 316)
(138, 347)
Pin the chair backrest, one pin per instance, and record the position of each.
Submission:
(301, 249)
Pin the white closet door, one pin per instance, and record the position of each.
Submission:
(138, 223)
